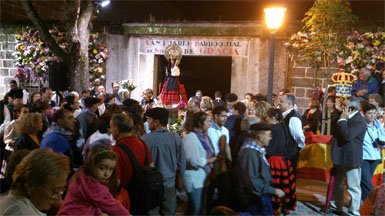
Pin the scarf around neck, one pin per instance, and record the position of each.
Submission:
(208, 146)
(54, 127)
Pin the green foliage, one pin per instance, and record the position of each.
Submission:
(328, 21)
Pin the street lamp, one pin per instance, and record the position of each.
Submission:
(274, 18)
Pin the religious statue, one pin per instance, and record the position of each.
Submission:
(173, 92)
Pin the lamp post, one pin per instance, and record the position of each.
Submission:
(274, 18)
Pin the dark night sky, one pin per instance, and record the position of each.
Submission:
(235, 10)
(370, 12)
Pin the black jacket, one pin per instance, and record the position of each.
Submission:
(277, 143)
(252, 177)
(25, 142)
(313, 120)
(347, 144)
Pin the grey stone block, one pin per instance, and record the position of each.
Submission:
(12, 72)
(8, 54)
(4, 72)
(11, 38)
(3, 37)
(8, 79)
(2, 54)
(8, 63)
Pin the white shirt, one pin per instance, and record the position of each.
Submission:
(25, 96)
(7, 119)
(215, 132)
(77, 113)
(12, 205)
(101, 109)
(295, 127)
(196, 158)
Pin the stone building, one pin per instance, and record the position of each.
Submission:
(226, 56)
(231, 57)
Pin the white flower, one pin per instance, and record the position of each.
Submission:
(349, 60)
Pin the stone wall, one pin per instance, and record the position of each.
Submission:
(248, 72)
(302, 80)
(7, 46)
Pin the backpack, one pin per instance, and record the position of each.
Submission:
(146, 186)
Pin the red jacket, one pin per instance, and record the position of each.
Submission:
(124, 167)
(87, 196)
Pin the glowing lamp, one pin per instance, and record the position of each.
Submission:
(274, 17)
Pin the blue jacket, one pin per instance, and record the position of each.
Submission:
(371, 86)
(57, 142)
(233, 123)
(373, 133)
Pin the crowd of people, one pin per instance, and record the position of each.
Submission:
(94, 153)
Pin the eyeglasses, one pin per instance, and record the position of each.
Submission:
(56, 194)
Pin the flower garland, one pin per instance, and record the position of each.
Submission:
(359, 50)
(31, 57)
(98, 55)
(128, 84)
(362, 50)
(175, 121)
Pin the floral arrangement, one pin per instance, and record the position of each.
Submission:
(98, 55)
(31, 57)
(128, 84)
(300, 48)
(359, 50)
(176, 120)
(362, 50)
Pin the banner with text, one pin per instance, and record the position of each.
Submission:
(206, 47)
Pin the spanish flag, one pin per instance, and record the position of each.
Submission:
(315, 163)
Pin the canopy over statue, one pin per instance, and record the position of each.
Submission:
(173, 92)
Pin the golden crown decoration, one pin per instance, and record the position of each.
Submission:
(173, 51)
(343, 83)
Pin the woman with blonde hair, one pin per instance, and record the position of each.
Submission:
(251, 111)
(206, 104)
(261, 109)
(28, 129)
(38, 181)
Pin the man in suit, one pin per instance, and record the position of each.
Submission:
(346, 155)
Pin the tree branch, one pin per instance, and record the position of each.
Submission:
(44, 32)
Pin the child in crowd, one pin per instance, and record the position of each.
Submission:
(94, 186)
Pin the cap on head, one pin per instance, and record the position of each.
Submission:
(160, 114)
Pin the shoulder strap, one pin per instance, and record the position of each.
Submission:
(146, 162)
(131, 156)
